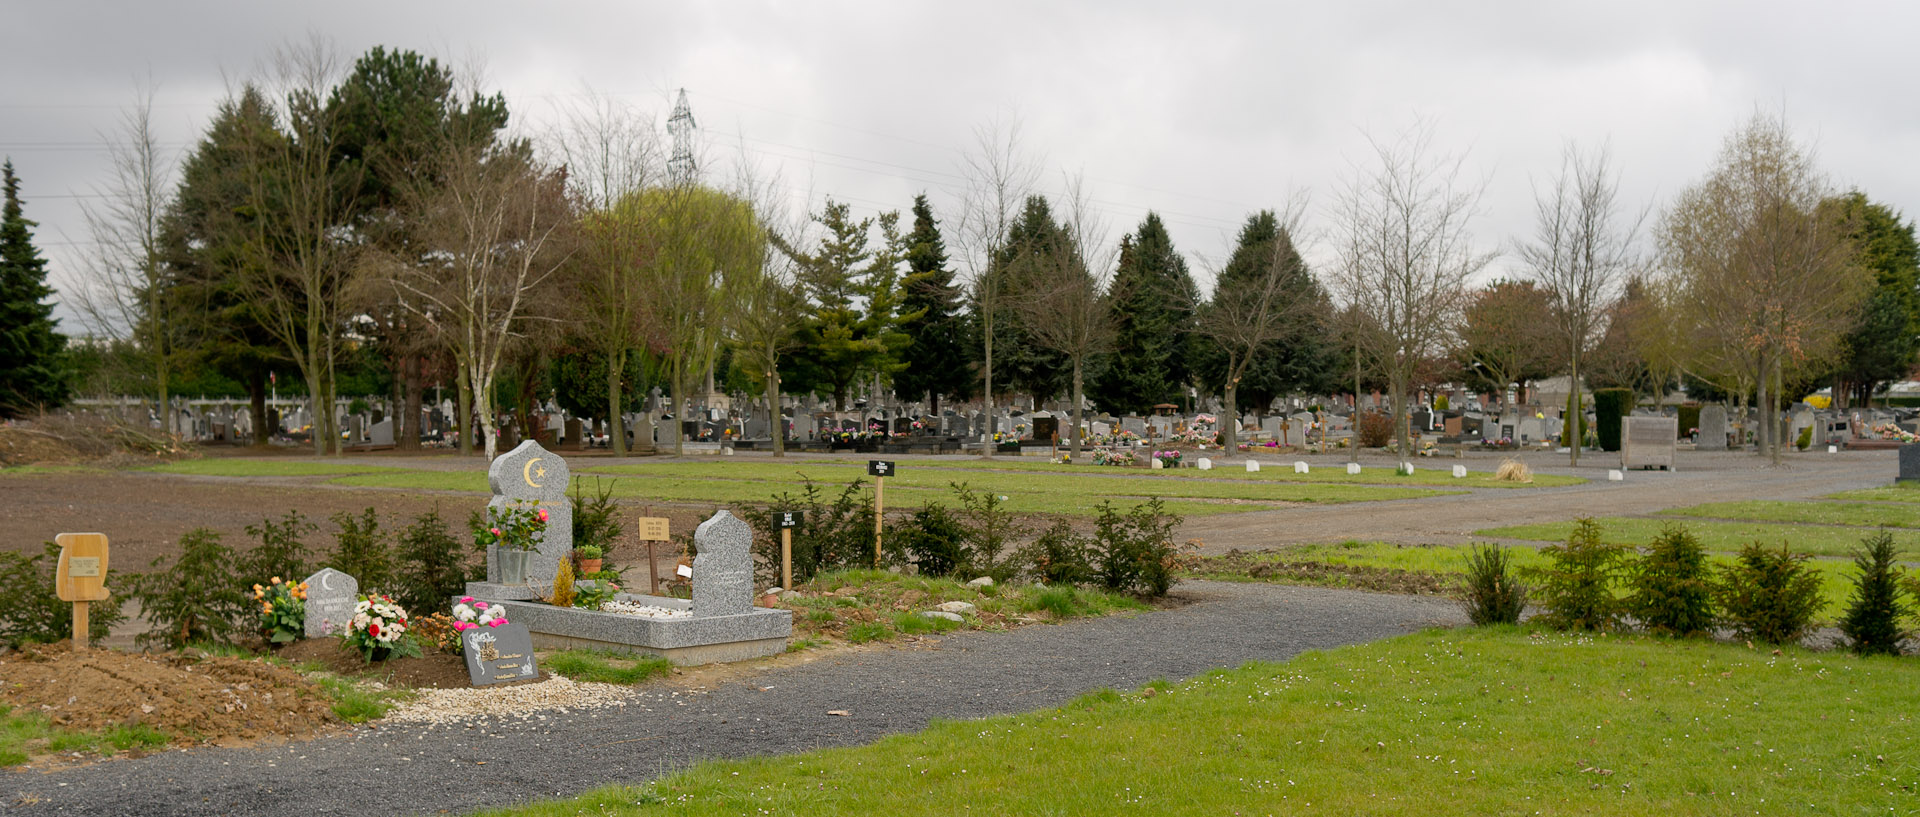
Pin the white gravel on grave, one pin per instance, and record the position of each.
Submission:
(627, 608)
(524, 701)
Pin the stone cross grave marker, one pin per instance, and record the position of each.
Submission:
(331, 595)
(496, 655)
(528, 477)
(723, 568)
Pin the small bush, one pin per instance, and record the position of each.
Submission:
(31, 612)
(1873, 618)
(1061, 602)
(1135, 552)
(834, 534)
(1058, 556)
(866, 631)
(934, 540)
(1490, 593)
(432, 565)
(1375, 429)
(1671, 588)
(1577, 588)
(282, 550)
(562, 595)
(1609, 405)
(199, 598)
(599, 667)
(360, 550)
(1512, 470)
(1805, 440)
(596, 517)
(991, 532)
(1769, 595)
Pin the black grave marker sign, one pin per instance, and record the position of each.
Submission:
(784, 520)
(497, 655)
(879, 468)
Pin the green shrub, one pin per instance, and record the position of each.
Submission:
(31, 612)
(934, 540)
(596, 516)
(360, 550)
(589, 552)
(1375, 429)
(1805, 440)
(199, 598)
(1135, 552)
(1769, 595)
(1490, 593)
(912, 623)
(1058, 556)
(1609, 405)
(991, 533)
(1577, 587)
(833, 535)
(281, 552)
(1671, 588)
(1873, 618)
(432, 567)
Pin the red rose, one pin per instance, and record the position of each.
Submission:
(373, 629)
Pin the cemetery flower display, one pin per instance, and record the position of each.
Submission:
(468, 614)
(1118, 456)
(1890, 431)
(378, 630)
(1168, 459)
(283, 610)
(515, 528)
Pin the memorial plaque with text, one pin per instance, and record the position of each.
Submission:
(497, 655)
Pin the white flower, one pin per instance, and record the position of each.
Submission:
(463, 612)
(362, 606)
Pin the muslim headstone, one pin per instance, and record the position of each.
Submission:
(723, 568)
(532, 477)
(331, 595)
(497, 655)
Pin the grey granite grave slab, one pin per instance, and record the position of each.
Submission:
(1713, 428)
(331, 595)
(723, 568)
(685, 641)
(1910, 463)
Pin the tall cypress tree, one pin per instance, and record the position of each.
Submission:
(30, 372)
(937, 360)
(1303, 360)
(1153, 299)
(1028, 366)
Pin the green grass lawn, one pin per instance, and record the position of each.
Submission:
(1727, 537)
(239, 467)
(1461, 722)
(1385, 567)
(1856, 514)
(1901, 492)
(1062, 493)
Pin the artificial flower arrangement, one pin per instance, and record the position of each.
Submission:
(515, 528)
(1890, 431)
(1168, 459)
(283, 610)
(1428, 448)
(468, 614)
(378, 630)
(1119, 457)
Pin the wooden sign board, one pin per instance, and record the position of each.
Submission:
(82, 574)
(783, 520)
(653, 529)
(879, 468)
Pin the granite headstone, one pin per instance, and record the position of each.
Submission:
(496, 655)
(331, 595)
(532, 477)
(723, 568)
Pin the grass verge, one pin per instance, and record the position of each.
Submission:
(1722, 536)
(357, 702)
(862, 606)
(1461, 722)
(606, 667)
(1854, 514)
(26, 734)
(1898, 492)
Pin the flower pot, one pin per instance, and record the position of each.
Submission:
(513, 566)
(589, 566)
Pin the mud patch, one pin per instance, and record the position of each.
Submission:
(192, 697)
(434, 670)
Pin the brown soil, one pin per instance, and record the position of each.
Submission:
(434, 670)
(196, 697)
(26, 446)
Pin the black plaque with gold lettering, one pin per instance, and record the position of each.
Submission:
(496, 655)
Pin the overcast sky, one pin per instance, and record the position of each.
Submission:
(1202, 114)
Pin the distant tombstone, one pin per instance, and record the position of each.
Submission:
(1271, 425)
(1134, 424)
(1404, 469)
(497, 655)
(1156, 463)
(382, 432)
(331, 595)
(1909, 463)
(1203, 464)
(757, 429)
(530, 476)
(1353, 469)
(1647, 442)
(689, 429)
(1800, 420)
(573, 431)
(723, 568)
(1459, 471)
(1253, 466)
(1101, 429)
(1046, 429)
(1713, 429)
(903, 425)
(1616, 475)
(1301, 467)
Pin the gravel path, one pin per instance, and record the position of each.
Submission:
(457, 769)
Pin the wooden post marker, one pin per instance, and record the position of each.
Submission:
(879, 470)
(786, 521)
(81, 577)
(653, 529)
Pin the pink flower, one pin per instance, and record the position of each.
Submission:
(494, 531)
(543, 514)
(479, 605)
(466, 599)
(462, 626)
(496, 622)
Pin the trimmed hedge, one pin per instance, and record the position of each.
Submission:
(1609, 405)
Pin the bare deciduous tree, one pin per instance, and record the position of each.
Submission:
(1582, 250)
(1760, 269)
(125, 298)
(1406, 255)
(999, 177)
(1271, 303)
(1064, 304)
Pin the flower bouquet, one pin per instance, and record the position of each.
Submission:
(378, 630)
(283, 610)
(1168, 459)
(468, 614)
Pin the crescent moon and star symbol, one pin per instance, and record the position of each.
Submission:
(528, 472)
(326, 581)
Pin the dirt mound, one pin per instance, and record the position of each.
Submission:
(434, 670)
(26, 446)
(195, 697)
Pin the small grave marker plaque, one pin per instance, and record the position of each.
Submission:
(1353, 468)
(496, 655)
(654, 529)
(879, 468)
(81, 577)
(331, 595)
(788, 519)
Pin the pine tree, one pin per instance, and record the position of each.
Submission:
(1028, 366)
(853, 315)
(937, 361)
(30, 372)
(1153, 299)
(1303, 359)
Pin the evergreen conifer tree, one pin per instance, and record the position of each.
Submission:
(1301, 361)
(1028, 366)
(30, 372)
(1153, 299)
(937, 359)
